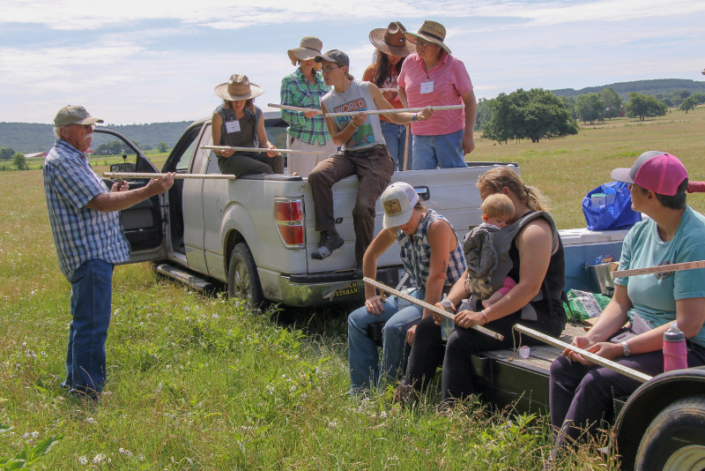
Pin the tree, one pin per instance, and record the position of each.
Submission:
(162, 146)
(613, 102)
(569, 104)
(484, 113)
(535, 115)
(19, 161)
(644, 106)
(589, 107)
(689, 104)
(6, 153)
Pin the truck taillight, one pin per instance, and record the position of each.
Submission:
(289, 218)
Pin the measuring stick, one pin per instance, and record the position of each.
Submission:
(659, 269)
(614, 366)
(396, 110)
(430, 307)
(294, 108)
(261, 149)
(178, 176)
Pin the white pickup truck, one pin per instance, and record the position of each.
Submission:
(256, 233)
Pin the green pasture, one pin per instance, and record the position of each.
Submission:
(203, 383)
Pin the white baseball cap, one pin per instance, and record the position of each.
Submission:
(398, 201)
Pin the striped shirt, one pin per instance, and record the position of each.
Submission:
(416, 253)
(297, 91)
(80, 233)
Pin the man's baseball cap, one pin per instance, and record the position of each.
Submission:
(657, 171)
(398, 201)
(72, 114)
(334, 55)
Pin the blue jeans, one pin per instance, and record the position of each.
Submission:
(444, 151)
(365, 369)
(91, 291)
(395, 137)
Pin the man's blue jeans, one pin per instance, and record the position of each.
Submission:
(395, 137)
(445, 151)
(365, 369)
(91, 291)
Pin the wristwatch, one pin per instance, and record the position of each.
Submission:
(625, 349)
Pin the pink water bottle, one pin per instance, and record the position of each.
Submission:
(675, 355)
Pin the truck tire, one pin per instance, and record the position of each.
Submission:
(675, 439)
(243, 280)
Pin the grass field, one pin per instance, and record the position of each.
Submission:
(202, 383)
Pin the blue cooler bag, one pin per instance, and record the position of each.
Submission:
(609, 207)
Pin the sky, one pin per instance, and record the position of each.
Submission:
(144, 61)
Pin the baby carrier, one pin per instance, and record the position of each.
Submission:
(486, 250)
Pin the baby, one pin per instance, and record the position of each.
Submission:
(497, 211)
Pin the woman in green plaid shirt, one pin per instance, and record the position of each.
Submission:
(307, 129)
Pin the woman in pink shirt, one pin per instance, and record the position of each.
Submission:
(433, 77)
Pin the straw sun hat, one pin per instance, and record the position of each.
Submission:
(432, 32)
(310, 47)
(392, 40)
(238, 88)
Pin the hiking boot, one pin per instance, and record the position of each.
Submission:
(329, 242)
(406, 395)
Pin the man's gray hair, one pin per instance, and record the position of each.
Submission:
(57, 132)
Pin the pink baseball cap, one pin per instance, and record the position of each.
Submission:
(657, 171)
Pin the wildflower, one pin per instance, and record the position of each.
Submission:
(26, 436)
(35, 434)
(383, 415)
(125, 452)
(293, 388)
(333, 424)
(99, 458)
(90, 420)
(83, 460)
(270, 389)
(214, 316)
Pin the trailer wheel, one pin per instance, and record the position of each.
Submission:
(243, 281)
(675, 439)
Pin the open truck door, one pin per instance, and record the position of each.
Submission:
(143, 223)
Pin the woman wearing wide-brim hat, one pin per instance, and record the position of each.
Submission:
(239, 123)
(433, 77)
(391, 48)
(304, 88)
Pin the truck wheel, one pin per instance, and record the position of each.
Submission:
(675, 439)
(243, 281)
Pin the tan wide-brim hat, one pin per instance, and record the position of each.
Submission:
(432, 32)
(392, 40)
(238, 88)
(72, 114)
(310, 47)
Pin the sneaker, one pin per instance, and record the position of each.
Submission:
(329, 242)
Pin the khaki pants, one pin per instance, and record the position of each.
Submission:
(374, 168)
(303, 164)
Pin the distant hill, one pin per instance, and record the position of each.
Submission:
(645, 87)
(32, 137)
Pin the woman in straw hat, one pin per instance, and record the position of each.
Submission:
(432, 77)
(238, 123)
(304, 88)
(391, 50)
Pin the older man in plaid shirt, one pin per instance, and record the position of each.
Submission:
(88, 236)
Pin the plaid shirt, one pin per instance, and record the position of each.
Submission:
(297, 91)
(80, 233)
(416, 253)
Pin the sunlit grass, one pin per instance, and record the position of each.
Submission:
(202, 383)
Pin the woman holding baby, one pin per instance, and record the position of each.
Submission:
(538, 269)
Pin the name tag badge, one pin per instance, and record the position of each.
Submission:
(426, 87)
(232, 126)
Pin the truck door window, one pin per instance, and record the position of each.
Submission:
(207, 140)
